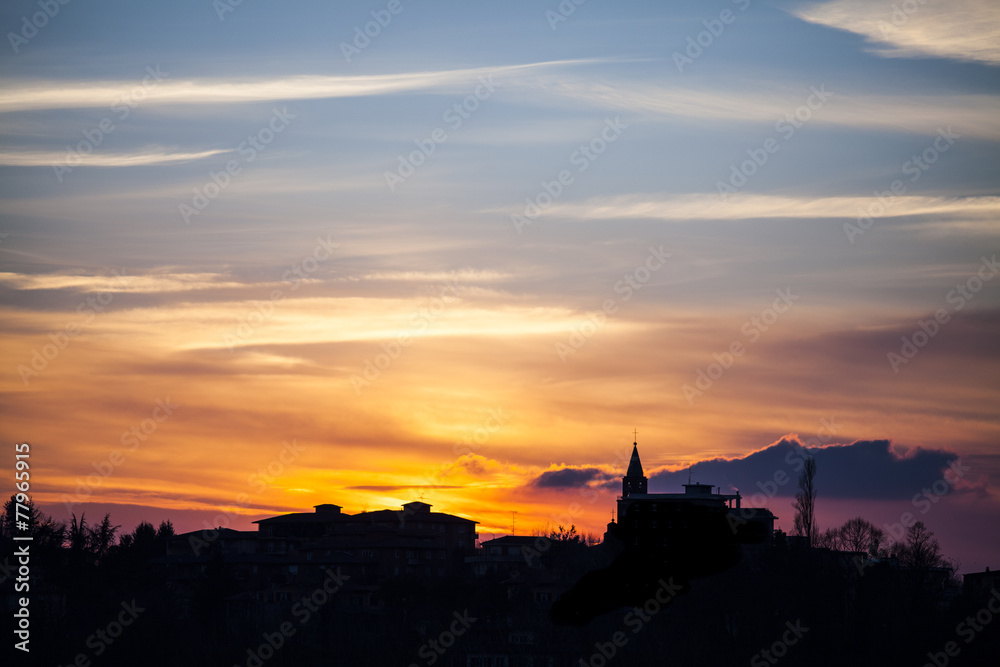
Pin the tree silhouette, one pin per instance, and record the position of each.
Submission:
(920, 549)
(863, 536)
(165, 531)
(831, 538)
(805, 502)
(857, 534)
(79, 534)
(566, 535)
(102, 537)
(141, 543)
(46, 531)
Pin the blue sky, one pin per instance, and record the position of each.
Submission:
(226, 150)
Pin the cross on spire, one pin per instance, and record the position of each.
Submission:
(636, 434)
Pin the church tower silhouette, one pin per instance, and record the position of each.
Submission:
(634, 482)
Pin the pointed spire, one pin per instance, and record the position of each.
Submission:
(634, 464)
(634, 481)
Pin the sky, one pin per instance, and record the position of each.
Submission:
(255, 257)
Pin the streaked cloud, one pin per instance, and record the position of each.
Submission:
(326, 320)
(461, 276)
(391, 487)
(186, 325)
(35, 158)
(764, 101)
(749, 206)
(37, 95)
(140, 284)
(959, 29)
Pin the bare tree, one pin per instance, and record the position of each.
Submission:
(805, 502)
(857, 534)
(566, 535)
(920, 548)
(860, 535)
(831, 538)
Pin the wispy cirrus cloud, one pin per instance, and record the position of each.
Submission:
(960, 29)
(36, 95)
(189, 324)
(706, 206)
(35, 158)
(460, 276)
(166, 282)
(970, 114)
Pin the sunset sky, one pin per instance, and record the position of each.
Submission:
(253, 259)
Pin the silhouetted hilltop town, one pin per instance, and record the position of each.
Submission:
(683, 578)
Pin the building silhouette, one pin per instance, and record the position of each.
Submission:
(295, 548)
(413, 540)
(656, 519)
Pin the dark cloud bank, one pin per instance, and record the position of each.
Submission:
(867, 469)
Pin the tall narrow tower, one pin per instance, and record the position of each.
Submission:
(634, 481)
